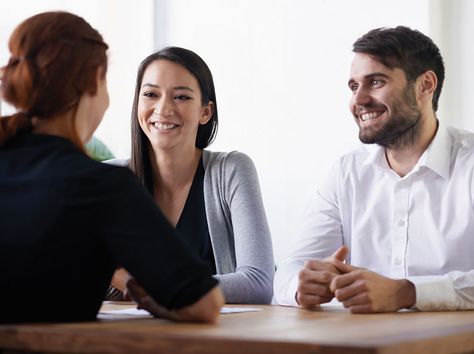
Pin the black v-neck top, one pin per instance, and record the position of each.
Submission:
(66, 221)
(192, 224)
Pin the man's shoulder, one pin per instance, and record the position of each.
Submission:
(462, 138)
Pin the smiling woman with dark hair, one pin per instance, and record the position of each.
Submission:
(213, 199)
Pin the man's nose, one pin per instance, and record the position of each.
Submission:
(361, 97)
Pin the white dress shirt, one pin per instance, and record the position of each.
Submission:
(419, 227)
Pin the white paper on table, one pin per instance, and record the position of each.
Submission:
(134, 312)
(225, 310)
(127, 312)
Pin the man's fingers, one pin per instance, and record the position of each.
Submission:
(343, 280)
(356, 299)
(343, 267)
(320, 277)
(340, 254)
(311, 302)
(349, 291)
(319, 265)
(361, 309)
(315, 289)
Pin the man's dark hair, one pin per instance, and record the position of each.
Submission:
(404, 48)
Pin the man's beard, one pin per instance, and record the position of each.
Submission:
(401, 129)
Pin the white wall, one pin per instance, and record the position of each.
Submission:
(281, 69)
(453, 30)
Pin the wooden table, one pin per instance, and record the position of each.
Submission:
(275, 329)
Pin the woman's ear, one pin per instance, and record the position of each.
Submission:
(207, 112)
(94, 81)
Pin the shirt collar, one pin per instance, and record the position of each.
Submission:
(436, 157)
(376, 156)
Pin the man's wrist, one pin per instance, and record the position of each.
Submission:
(406, 294)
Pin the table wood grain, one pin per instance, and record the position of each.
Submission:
(275, 329)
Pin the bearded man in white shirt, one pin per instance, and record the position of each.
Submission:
(393, 226)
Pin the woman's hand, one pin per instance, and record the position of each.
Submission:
(206, 309)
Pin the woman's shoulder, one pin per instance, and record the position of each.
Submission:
(116, 170)
(226, 159)
(232, 166)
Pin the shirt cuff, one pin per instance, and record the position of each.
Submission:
(434, 293)
(289, 298)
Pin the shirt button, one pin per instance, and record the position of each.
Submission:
(401, 222)
(398, 261)
(400, 185)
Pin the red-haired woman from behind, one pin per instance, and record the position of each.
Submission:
(66, 221)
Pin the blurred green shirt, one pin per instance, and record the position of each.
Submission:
(98, 151)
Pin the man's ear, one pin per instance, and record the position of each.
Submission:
(207, 112)
(427, 83)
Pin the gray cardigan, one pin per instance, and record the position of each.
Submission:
(238, 227)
